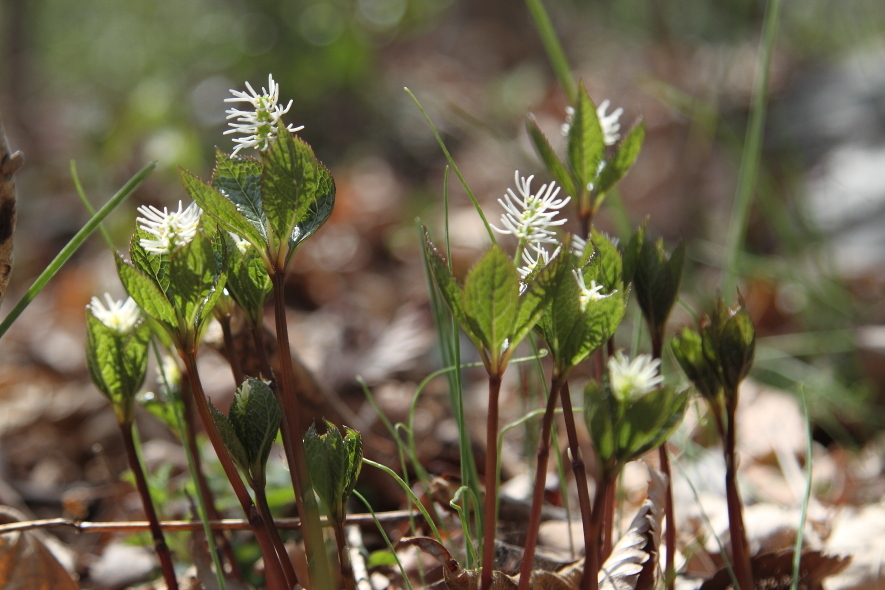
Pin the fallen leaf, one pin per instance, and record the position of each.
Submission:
(774, 571)
(26, 563)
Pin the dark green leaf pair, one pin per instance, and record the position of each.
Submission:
(492, 308)
(656, 275)
(178, 290)
(250, 428)
(572, 330)
(274, 203)
(718, 356)
(586, 170)
(623, 430)
(117, 362)
(334, 463)
(247, 280)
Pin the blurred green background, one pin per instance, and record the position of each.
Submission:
(115, 84)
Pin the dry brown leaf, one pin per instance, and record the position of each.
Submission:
(26, 563)
(633, 564)
(774, 571)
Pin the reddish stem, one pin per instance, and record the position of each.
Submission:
(204, 490)
(314, 546)
(739, 547)
(343, 557)
(608, 520)
(534, 524)
(657, 348)
(275, 578)
(279, 546)
(232, 357)
(490, 517)
(141, 485)
(591, 530)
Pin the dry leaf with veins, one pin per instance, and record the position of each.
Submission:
(633, 564)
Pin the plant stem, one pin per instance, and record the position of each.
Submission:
(279, 546)
(261, 351)
(275, 578)
(314, 546)
(740, 552)
(160, 546)
(490, 510)
(205, 492)
(232, 357)
(588, 515)
(592, 558)
(343, 557)
(528, 556)
(657, 348)
(608, 520)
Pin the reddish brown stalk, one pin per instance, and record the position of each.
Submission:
(314, 546)
(592, 557)
(740, 552)
(232, 357)
(534, 524)
(275, 578)
(204, 490)
(490, 504)
(591, 530)
(279, 546)
(261, 351)
(608, 520)
(657, 347)
(141, 485)
(344, 558)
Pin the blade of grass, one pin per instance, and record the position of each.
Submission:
(409, 493)
(82, 194)
(74, 244)
(554, 49)
(752, 149)
(399, 564)
(454, 167)
(797, 550)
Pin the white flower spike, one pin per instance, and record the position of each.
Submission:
(171, 229)
(610, 124)
(631, 380)
(530, 217)
(594, 293)
(120, 316)
(260, 124)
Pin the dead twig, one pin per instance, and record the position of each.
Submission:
(10, 163)
(226, 524)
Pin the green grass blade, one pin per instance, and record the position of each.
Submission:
(797, 550)
(89, 208)
(554, 49)
(409, 493)
(454, 167)
(749, 169)
(74, 244)
(381, 530)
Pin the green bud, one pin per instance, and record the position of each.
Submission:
(732, 337)
(688, 348)
(655, 274)
(334, 463)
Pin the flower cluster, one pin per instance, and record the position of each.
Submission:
(260, 124)
(171, 230)
(120, 316)
(633, 379)
(530, 217)
(594, 293)
(610, 124)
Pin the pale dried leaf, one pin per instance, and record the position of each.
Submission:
(26, 563)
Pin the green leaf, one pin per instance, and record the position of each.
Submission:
(223, 211)
(610, 270)
(586, 143)
(554, 165)
(247, 281)
(625, 156)
(117, 362)
(289, 181)
(196, 281)
(451, 291)
(231, 440)
(318, 210)
(491, 299)
(156, 266)
(538, 294)
(147, 295)
(238, 178)
(255, 417)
